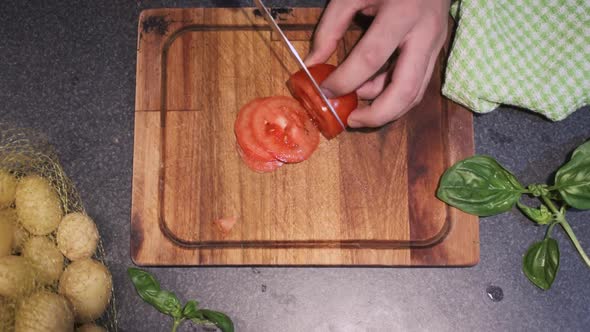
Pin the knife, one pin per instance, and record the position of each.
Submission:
(273, 24)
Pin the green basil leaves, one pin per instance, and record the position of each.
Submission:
(541, 215)
(221, 320)
(145, 284)
(481, 186)
(541, 262)
(573, 179)
(191, 311)
(148, 288)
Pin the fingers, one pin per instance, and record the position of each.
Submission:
(404, 91)
(370, 10)
(428, 76)
(371, 52)
(432, 62)
(333, 24)
(372, 88)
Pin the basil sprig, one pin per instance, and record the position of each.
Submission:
(481, 186)
(148, 288)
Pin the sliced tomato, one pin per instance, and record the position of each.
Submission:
(258, 165)
(282, 128)
(303, 90)
(244, 132)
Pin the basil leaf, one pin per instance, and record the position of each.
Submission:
(167, 303)
(149, 290)
(221, 320)
(191, 310)
(583, 149)
(541, 262)
(142, 280)
(573, 179)
(480, 186)
(145, 284)
(541, 216)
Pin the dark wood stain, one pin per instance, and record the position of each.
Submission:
(426, 147)
(155, 24)
(276, 13)
(136, 235)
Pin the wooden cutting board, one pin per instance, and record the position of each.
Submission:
(364, 198)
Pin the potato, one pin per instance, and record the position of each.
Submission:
(43, 255)
(16, 276)
(7, 227)
(44, 311)
(7, 189)
(37, 205)
(77, 236)
(6, 314)
(19, 238)
(91, 328)
(87, 284)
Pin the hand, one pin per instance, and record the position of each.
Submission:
(417, 27)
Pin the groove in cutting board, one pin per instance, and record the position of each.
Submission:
(365, 198)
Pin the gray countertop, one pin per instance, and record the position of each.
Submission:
(68, 69)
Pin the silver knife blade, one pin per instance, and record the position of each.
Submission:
(264, 11)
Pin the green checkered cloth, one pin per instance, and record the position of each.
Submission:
(533, 54)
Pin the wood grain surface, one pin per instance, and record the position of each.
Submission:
(364, 198)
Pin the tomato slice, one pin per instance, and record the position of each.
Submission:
(258, 165)
(283, 128)
(245, 135)
(303, 90)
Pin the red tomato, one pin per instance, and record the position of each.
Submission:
(258, 165)
(284, 129)
(245, 135)
(303, 90)
(270, 131)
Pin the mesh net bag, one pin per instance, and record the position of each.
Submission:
(23, 153)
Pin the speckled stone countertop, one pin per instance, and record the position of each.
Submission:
(67, 68)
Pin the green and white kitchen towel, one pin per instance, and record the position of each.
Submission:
(533, 54)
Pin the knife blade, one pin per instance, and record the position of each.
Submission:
(273, 24)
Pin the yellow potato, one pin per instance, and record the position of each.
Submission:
(43, 255)
(6, 314)
(77, 236)
(44, 311)
(87, 284)
(7, 189)
(7, 227)
(16, 276)
(37, 205)
(19, 238)
(91, 328)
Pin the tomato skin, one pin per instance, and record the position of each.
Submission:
(303, 90)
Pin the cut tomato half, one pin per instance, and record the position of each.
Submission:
(303, 90)
(282, 127)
